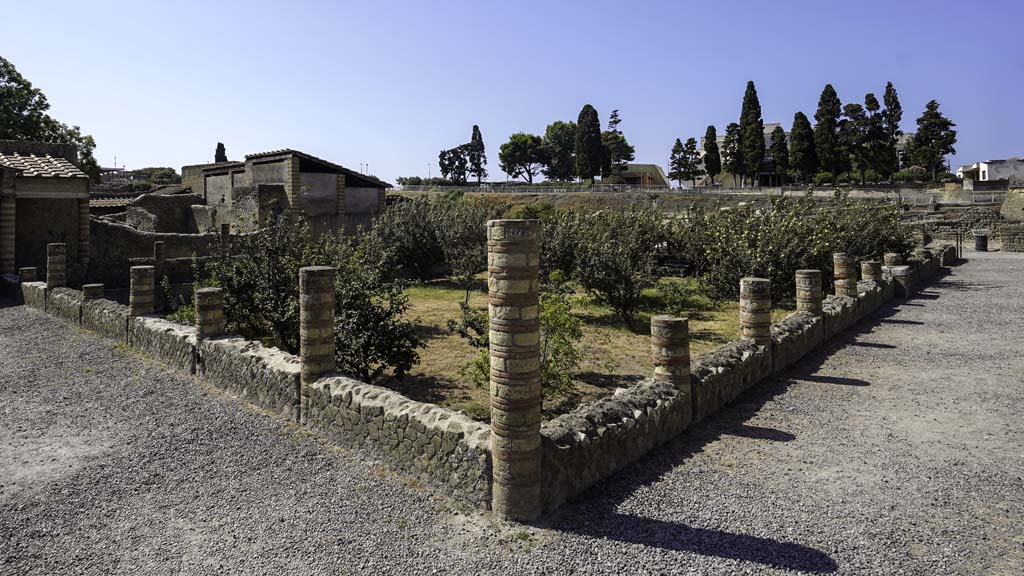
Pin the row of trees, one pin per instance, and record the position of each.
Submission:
(23, 116)
(853, 138)
(469, 159)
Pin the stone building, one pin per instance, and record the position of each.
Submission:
(44, 198)
(253, 193)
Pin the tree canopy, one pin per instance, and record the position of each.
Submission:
(522, 156)
(220, 154)
(712, 158)
(933, 140)
(780, 152)
(826, 131)
(589, 147)
(751, 134)
(476, 155)
(802, 158)
(732, 154)
(560, 150)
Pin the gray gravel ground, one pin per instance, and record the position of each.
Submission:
(900, 450)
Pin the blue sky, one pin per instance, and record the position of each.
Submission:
(389, 84)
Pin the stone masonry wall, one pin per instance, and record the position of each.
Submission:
(34, 295)
(65, 304)
(106, 318)
(267, 377)
(445, 449)
(163, 340)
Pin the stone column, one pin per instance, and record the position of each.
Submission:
(292, 183)
(210, 322)
(316, 328)
(142, 290)
(92, 291)
(756, 310)
(871, 270)
(56, 265)
(845, 275)
(670, 351)
(808, 291)
(83, 231)
(28, 274)
(512, 283)
(892, 259)
(7, 206)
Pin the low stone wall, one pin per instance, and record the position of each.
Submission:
(106, 318)
(1013, 238)
(34, 294)
(163, 340)
(265, 376)
(795, 336)
(445, 449)
(719, 376)
(65, 304)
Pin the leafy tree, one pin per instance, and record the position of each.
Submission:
(891, 117)
(560, 151)
(853, 136)
(23, 117)
(802, 157)
(693, 166)
(933, 140)
(732, 153)
(677, 163)
(406, 237)
(751, 134)
(712, 158)
(589, 148)
(780, 152)
(826, 132)
(875, 139)
(560, 336)
(454, 163)
(220, 154)
(477, 155)
(523, 156)
(617, 151)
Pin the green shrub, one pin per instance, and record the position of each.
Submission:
(822, 179)
(406, 235)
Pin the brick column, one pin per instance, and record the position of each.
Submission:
(7, 226)
(56, 265)
(892, 259)
(316, 328)
(808, 291)
(871, 270)
(28, 274)
(292, 183)
(845, 275)
(670, 351)
(756, 310)
(142, 290)
(83, 231)
(92, 291)
(512, 281)
(210, 322)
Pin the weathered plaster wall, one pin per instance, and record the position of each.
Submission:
(41, 221)
(160, 213)
(319, 193)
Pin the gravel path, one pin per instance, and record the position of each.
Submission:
(898, 451)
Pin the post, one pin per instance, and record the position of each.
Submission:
(210, 322)
(7, 228)
(56, 265)
(756, 310)
(141, 290)
(83, 232)
(316, 329)
(158, 252)
(808, 292)
(92, 291)
(512, 281)
(871, 270)
(670, 351)
(28, 274)
(892, 259)
(845, 276)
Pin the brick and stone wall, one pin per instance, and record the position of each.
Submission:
(1013, 238)
(164, 213)
(267, 377)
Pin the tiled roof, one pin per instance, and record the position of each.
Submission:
(46, 166)
(332, 165)
(109, 202)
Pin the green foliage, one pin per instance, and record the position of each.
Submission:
(406, 235)
(792, 234)
(476, 155)
(522, 156)
(261, 296)
(677, 163)
(827, 146)
(589, 147)
(911, 174)
(617, 151)
(712, 157)
(751, 133)
(824, 179)
(892, 114)
(454, 163)
(803, 159)
(732, 152)
(560, 151)
(780, 152)
(560, 335)
(684, 163)
(933, 140)
(460, 228)
(220, 154)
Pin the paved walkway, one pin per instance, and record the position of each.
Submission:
(898, 451)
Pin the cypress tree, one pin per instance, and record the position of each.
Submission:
(220, 155)
(826, 132)
(780, 152)
(751, 133)
(891, 117)
(677, 163)
(934, 139)
(589, 148)
(477, 155)
(802, 157)
(712, 158)
(732, 154)
(692, 162)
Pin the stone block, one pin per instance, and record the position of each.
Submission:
(106, 318)
(795, 336)
(267, 377)
(168, 342)
(34, 295)
(65, 303)
(724, 373)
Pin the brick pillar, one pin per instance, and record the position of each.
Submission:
(142, 290)
(7, 226)
(316, 328)
(28, 274)
(512, 281)
(56, 265)
(845, 275)
(292, 183)
(83, 231)
(871, 270)
(670, 351)
(808, 291)
(892, 259)
(756, 310)
(92, 291)
(210, 322)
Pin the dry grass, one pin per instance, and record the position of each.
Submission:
(613, 354)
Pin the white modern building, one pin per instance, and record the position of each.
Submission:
(989, 170)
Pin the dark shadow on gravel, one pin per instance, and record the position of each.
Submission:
(871, 345)
(906, 322)
(835, 380)
(760, 433)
